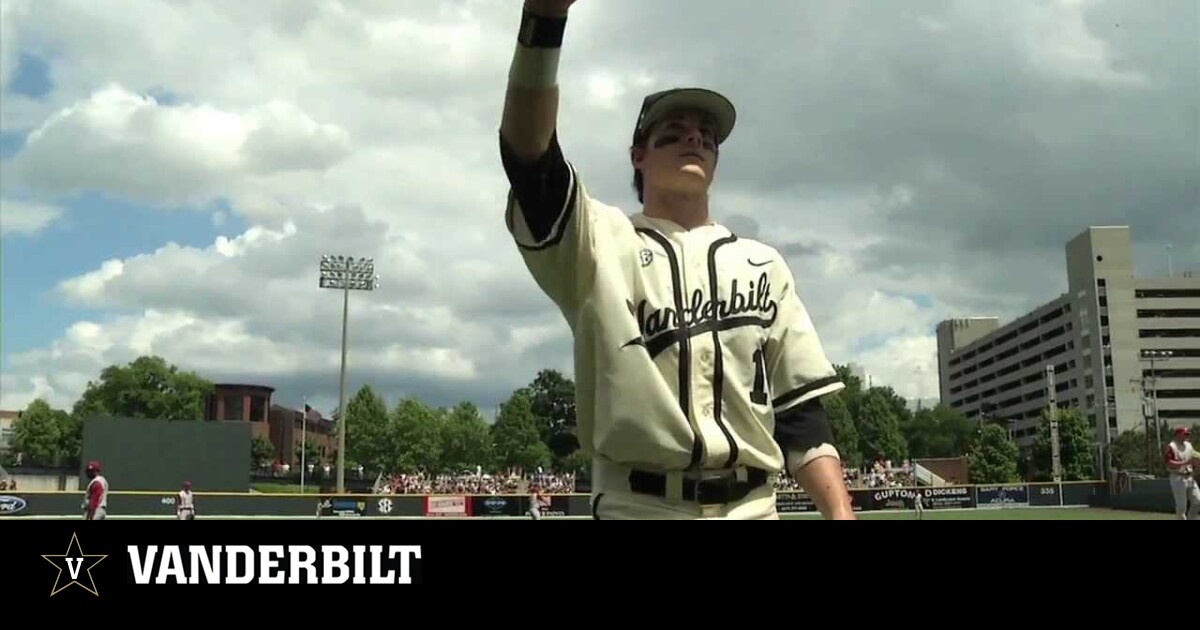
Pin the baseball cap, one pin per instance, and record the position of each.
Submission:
(93, 465)
(656, 105)
(1183, 431)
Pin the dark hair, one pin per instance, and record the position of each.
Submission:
(638, 181)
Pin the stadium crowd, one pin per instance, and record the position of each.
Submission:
(507, 482)
(879, 475)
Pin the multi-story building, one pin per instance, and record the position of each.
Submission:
(282, 426)
(1124, 350)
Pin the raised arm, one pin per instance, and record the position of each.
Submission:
(548, 213)
(531, 101)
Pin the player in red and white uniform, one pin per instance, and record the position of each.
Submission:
(185, 503)
(95, 502)
(1180, 457)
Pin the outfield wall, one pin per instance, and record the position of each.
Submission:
(1084, 493)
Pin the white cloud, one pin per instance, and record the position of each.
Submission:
(128, 144)
(887, 164)
(26, 218)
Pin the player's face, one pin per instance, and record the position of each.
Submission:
(680, 154)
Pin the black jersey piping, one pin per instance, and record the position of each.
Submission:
(718, 358)
(685, 351)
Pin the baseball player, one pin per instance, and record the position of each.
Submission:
(535, 504)
(95, 502)
(1180, 455)
(185, 503)
(919, 503)
(698, 370)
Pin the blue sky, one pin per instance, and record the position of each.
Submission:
(94, 228)
(917, 184)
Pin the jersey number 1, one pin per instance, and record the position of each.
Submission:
(758, 394)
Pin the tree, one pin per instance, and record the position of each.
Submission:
(466, 440)
(845, 434)
(37, 434)
(993, 456)
(938, 432)
(552, 401)
(879, 430)
(146, 388)
(311, 454)
(70, 438)
(515, 434)
(1077, 446)
(367, 427)
(414, 441)
(262, 452)
(895, 402)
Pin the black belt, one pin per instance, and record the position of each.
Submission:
(724, 489)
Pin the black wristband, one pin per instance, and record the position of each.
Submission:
(539, 31)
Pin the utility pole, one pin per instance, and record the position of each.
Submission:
(1055, 459)
(1152, 356)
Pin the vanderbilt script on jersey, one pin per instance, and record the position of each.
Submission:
(687, 342)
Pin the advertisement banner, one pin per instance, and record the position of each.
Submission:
(1044, 494)
(341, 506)
(891, 498)
(496, 505)
(1001, 496)
(794, 503)
(555, 505)
(396, 505)
(451, 506)
(12, 506)
(948, 497)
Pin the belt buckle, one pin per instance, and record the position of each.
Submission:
(717, 491)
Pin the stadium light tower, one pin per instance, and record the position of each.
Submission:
(348, 274)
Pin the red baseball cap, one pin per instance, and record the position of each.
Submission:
(1182, 431)
(93, 465)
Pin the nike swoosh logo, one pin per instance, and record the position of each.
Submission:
(759, 264)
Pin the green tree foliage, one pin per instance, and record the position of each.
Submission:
(148, 387)
(993, 456)
(312, 454)
(414, 437)
(466, 441)
(515, 435)
(262, 452)
(1076, 447)
(879, 429)
(938, 432)
(845, 434)
(552, 401)
(367, 429)
(38, 434)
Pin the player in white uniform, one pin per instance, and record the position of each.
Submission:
(535, 504)
(698, 371)
(95, 499)
(185, 503)
(1180, 457)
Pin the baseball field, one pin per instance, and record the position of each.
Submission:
(1007, 514)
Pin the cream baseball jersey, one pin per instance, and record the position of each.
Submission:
(687, 342)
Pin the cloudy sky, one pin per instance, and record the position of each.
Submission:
(172, 173)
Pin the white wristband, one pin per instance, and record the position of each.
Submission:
(534, 67)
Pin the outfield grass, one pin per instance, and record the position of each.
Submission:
(1008, 514)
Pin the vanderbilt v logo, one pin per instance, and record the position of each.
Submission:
(78, 567)
(73, 566)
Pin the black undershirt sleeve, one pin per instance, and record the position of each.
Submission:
(803, 427)
(541, 188)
